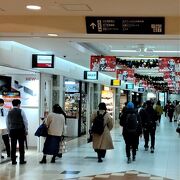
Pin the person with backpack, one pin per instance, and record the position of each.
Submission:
(149, 119)
(129, 121)
(102, 124)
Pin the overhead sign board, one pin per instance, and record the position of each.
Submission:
(115, 82)
(125, 25)
(42, 61)
(91, 75)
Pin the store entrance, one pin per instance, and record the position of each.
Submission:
(23, 85)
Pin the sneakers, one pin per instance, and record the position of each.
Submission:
(134, 158)
(100, 160)
(14, 162)
(22, 162)
(129, 160)
(152, 150)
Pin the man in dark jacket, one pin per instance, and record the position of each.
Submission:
(129, 121)
(17, 126)
(149, 118)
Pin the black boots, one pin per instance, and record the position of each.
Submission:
(53, 159)
(43, 161)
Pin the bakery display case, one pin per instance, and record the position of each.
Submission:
(107, 98)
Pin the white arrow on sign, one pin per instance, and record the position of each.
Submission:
(93, 25)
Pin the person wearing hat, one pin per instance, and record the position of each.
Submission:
(129, 121)
(102, 142)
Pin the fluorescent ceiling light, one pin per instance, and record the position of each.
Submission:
(52, 35)
(33, 7)
(166, 51)
(132, 58)
(125, 50)
(145, 50)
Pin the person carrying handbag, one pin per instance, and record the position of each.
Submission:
(55, 123)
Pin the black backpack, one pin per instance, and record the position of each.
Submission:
(131, 123)
(98, 124)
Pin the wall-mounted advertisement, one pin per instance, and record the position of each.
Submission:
(5, 83)
(8, 96)
(103, 63)
(28, 86)
(169, 64)
(125, 74)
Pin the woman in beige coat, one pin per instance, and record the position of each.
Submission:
(103, 142)
(56, 124)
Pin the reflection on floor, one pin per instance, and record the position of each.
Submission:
(81, 161)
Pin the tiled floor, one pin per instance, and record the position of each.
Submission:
(125, 175)
(80, 161)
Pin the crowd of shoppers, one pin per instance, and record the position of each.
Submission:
(135, 120)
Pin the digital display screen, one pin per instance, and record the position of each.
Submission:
(72, 86)
(115, 82)
(11, 94)
(141, 89)
(91, 75)
(129, 86)
(42, 61)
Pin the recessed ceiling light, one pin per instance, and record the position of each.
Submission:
(33, 7)
(166, 51)
(52, 34)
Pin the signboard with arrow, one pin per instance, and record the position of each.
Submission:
(125, 25)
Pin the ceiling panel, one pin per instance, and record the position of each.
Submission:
(94, 7)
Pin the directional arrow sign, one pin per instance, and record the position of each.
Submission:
(93, 25)
(125, 25)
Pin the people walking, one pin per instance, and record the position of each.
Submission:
(149, 126)
(5, 135)
(159, 110)
(171, 112)
(17, 126)
(102, 142)
(129, 121)
(55, 123)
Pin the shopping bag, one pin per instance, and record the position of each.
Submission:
(62, 146)
(42, 130)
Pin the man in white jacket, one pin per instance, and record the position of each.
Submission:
(4, 131)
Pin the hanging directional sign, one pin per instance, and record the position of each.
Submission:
(125, 25)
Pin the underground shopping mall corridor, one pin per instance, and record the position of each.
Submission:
(80, 161)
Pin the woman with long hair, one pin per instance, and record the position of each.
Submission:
(55, 123)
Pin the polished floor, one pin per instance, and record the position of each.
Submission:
(80, 161)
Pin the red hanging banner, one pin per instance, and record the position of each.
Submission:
(103, 63)
(125, 74)
(169, 64)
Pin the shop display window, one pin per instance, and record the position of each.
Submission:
(107, 97)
